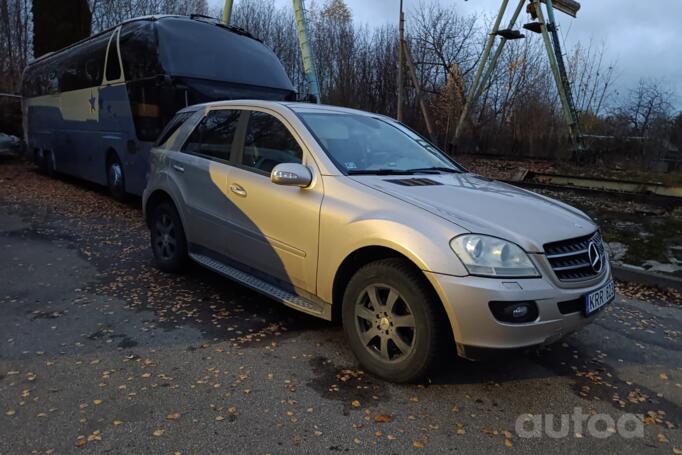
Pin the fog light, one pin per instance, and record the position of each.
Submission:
(514, 312)
(520, 311)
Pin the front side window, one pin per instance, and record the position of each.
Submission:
(268, 143)
(362, 144)
(214, 135)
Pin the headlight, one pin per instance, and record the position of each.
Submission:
(489, 256)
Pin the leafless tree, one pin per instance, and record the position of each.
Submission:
(646, 104)
(15, 42)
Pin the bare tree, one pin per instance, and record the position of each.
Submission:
(15, 42)
(649, 102)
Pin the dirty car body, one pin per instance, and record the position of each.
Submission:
(343, 213)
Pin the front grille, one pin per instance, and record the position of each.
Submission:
(570, 258)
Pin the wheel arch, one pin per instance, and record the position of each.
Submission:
(365, 255)
(155, 198)
(111, 155)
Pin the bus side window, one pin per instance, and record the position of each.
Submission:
(113, 65)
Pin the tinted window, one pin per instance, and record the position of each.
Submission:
(175, 123)
(81, 66)
(113, 65)
(139, 51)
(75, 68)
(214, 135)
(208, 51)
(268, 143)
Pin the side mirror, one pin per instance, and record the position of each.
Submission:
(291, 174)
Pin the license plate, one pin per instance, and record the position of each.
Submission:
(596, 300)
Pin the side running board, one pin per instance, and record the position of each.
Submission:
(292, 300)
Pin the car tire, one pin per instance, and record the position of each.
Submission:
(116, 179)
(50, 167)
(168, 240)
(398, 332)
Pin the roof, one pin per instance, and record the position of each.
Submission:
(294, 106)
(195, 17)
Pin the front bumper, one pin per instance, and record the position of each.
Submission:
(475, 328)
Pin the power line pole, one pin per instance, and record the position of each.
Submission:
(401, 64)
(227, 12)
(306, 49)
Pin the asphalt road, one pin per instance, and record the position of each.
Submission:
(101, 353)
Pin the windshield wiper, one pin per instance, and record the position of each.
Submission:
(435, 169)
(380, 172)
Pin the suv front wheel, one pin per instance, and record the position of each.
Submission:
(392, 320)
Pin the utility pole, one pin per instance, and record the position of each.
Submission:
(303, 41)
(306, 49)
(401, 64)
(227, 12)
(420, 94)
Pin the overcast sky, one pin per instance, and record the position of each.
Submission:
(643, 37)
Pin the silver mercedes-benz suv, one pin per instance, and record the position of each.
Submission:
(351, 215)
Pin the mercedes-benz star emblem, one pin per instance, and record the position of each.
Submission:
(595, 258)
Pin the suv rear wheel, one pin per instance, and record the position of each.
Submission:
(392, 320)
(168, 238)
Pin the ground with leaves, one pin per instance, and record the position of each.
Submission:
(101, 353)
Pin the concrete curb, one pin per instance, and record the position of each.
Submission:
(656, 280)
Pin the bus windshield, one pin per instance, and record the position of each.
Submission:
(207, 51)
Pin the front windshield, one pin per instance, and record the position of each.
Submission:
(362, 144)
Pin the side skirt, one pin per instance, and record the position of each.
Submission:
(318, 309)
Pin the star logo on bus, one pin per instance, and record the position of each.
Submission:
(92, 102)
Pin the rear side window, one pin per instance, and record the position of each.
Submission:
(213, 137)
(175, 123)
(268, 143)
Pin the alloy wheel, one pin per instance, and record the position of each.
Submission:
(165, 240)
(385, 323)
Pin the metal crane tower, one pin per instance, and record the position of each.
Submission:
(545, 25)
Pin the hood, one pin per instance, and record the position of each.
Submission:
(485, 206)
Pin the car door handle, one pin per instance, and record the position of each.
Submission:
(178, 168)
(238, 190)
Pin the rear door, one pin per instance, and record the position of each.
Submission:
(274, 227)
(201, 169)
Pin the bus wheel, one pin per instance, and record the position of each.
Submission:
(115, 179)
(49, 164)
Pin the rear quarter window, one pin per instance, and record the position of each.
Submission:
(168, 133)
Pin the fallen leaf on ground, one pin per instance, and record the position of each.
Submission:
(158, 432)
(383, 418)
(173, 416)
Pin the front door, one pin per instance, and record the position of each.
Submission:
(275, 228)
